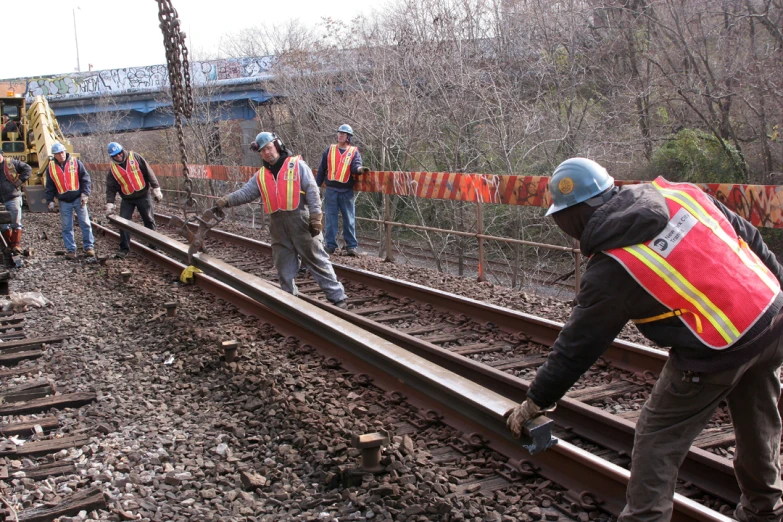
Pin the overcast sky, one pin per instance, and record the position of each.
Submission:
(125, 33)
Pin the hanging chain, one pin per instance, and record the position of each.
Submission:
(179, 80)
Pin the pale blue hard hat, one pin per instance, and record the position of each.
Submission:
(577, 180)
(57, 147)
(346, 129)
(263, 139)
(114, 148)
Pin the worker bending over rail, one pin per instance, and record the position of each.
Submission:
(692, 275)
(287, 186)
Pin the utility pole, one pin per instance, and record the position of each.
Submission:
(76, 39)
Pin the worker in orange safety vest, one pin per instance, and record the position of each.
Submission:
(287, 189)
(696, 277)
(132, 177)
(340, 164)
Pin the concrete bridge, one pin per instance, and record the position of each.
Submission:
(134, 97)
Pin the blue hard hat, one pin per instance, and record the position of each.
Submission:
(577, 180)
(263, 139)
(114, 148)
(57, 147)
(346, 129)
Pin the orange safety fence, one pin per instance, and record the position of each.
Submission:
(762, 205)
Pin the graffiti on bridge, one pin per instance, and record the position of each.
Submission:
(130, 80)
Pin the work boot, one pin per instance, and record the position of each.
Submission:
(121, 254)
(16, 241)
(70, 255)
(90, 252)
(330, 250)
(341, 304)
(7, 236)
(352, 252)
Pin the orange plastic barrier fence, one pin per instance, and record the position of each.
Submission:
(762, 205)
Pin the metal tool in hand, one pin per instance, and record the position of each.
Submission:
(537, 434)
(206, 221)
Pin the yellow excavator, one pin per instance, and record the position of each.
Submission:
(28, 135)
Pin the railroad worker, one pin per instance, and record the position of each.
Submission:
(340, 164)
(14, 174)
(131, 176)
(693, 276)
(287, 186)
(69, 182)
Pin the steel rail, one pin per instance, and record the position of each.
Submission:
(461, 403)
(706, 470)
(622, 354)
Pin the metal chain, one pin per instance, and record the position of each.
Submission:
(179, 80)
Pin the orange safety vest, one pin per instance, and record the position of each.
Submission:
(692, 265)
(339, 165)
(10, 172)
(131, 179)
(281, 193)
(65, 180)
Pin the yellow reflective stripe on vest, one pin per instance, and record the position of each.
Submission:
(115, 170)
(693, 206)
(74, 173)
(264, 189)
(55, 177)
(333, 154)
(290, 179)
(672, 277)
(135, 171)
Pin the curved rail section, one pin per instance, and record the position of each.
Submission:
(460, 402)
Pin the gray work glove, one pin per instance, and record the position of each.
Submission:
(109, 209)
(521, 414)
(51, 206)
(316, 224)
(222, 202)
(157, 195)
(85, 198)
(364, 170)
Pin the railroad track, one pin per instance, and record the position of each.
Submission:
(486, 343)
(37, 448)
(480, 418)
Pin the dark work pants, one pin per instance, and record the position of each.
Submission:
(680, 406)
(144, 206)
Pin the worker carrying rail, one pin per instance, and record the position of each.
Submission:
(696, 277)
(287, 185)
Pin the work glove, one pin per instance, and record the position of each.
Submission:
(85, 198)
(109, 208)
(222, 202)
(157, 195)
(316, 224)
(523, 413)
(51, 206)
(364, 170)
(18, 183)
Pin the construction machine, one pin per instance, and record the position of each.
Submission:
(32, 132)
